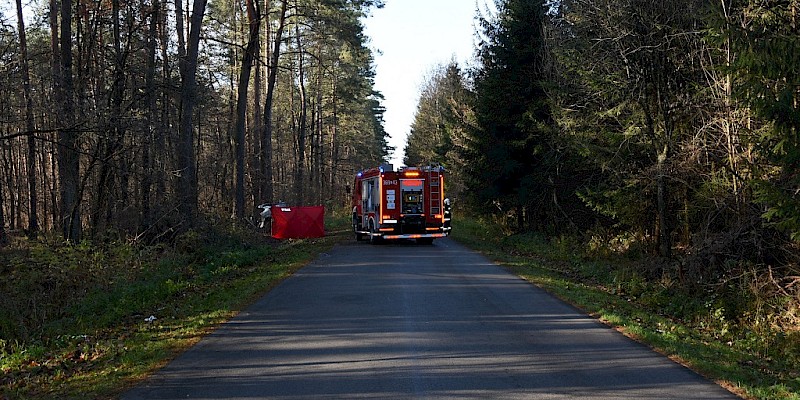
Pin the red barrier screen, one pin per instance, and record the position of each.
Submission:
(298, 222)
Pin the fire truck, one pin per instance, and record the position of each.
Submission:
(405, 204)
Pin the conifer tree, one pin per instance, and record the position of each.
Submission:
(511, 109)
(442, 118)
(634, 64)
(767, 44)
(430, 141)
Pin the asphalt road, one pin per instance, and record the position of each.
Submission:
(408, 321)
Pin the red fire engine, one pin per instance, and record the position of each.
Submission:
(405, 204)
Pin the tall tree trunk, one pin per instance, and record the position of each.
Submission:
(55, 69)
(3, 238)
(266, 138)
(52, 164)
(664, 156)
(664, 230)
(662, 194)
(101, 214)
(257, 129)
(118, 129)
(729, 123)
(254, 21)
(187, 183)
(180, 30)
(334, 137)
(163, 161)
(7, 167)
(33, 221)
(317, 158)
(300, 164)
(69, 162)
(152, 109)
(316, 151)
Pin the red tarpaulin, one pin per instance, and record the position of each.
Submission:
(298, 222)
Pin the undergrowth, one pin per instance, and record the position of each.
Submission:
(728, 331)
(88, 320)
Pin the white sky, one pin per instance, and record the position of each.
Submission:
(409, 38)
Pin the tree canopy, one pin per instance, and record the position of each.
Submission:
(668, 127)
(169, 110)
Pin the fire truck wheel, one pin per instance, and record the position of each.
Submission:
(359, 236)
(373, 239)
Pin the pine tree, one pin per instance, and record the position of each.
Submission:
(429, 141)
(440, 123)
(767, 43)
(512, 111)
(634, 64)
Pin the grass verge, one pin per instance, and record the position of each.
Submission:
(89, 321)
(753, 362)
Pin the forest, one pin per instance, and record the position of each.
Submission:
(659, 140)
(135, 119)
(667, 133)
(666, 130)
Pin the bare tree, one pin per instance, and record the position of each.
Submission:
(187, 183)
(3, 239)
(152, 109)
(254, 22)
(68, 156)
(122, 109)
(302, 131)
(33, 222)
(272, 76)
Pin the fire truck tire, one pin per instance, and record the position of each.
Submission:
(425, 241)
(356, 228)
(373, 239)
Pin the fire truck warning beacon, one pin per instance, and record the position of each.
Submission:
(405, 204)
